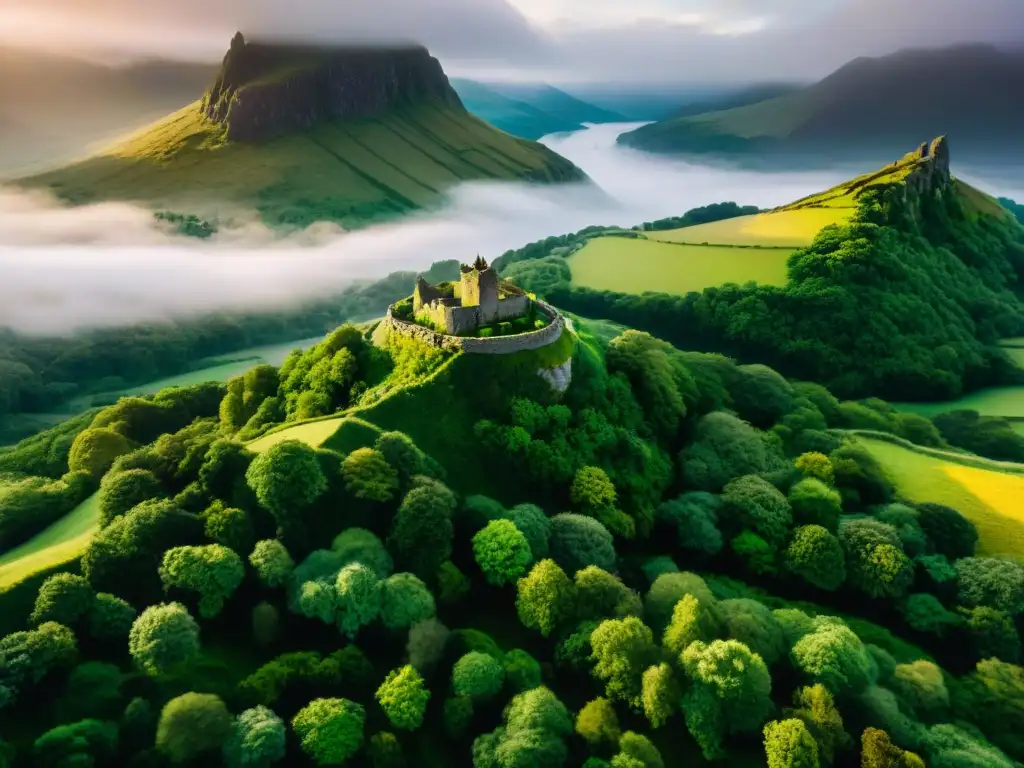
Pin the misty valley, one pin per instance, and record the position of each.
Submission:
(409, 385)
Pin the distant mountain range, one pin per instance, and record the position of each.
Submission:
(530, 110)
(52, 108)
(869, 107)
(304, 134)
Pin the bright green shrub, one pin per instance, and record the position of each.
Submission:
(546, 598)
(229, 526)
(95, 449)
(405, 600)
(330, 731)
(358, 598)
(502, 552)
(816, 556)
(214, 571)
(272, 562)
(27, 657)
(815, 503)
(162, 637)
(63, 598)
(623, 649)
(598, 724)
(478, 676)
(659, 694)
(286, 479)
(600, 595)
(788, 744)
(758, 505)
(404, 697)
(120, 491)
(368, 475)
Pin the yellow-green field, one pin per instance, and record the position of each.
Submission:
(993, 501)
(61, 543)
(791, 229)
(335, 171)
(313, 433)
(629, 265)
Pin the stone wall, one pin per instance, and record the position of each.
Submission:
(513, 307)
(499, 345)
(461, 319)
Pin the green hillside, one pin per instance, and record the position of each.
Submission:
(529, 111)
(869, 108)
(557, 103)
(352, 172)
(510, 115)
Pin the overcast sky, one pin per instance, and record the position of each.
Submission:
(666, 41)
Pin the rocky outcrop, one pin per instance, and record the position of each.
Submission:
(266, 90)
(932, 170)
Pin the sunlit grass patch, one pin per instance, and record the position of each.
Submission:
(628, 265)
(993, 501)
(61, 542)
(790, 228)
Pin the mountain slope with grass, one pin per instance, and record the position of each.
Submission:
(868, 109)
(529, 110)
(305, 134)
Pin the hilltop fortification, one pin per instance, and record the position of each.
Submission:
(265, 90)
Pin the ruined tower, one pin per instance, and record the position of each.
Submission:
(479, 288)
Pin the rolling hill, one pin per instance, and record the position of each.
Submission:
(351, 135)
(868, 109)
(529, 111)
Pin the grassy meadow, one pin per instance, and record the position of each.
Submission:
(786, 229)
(993, 501)
(348, 171)
(61, 543)
(995, 401)
(630, 265)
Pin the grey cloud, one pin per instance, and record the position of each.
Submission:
(463, 29)
(798, 46)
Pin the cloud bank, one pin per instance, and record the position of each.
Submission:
(65, 269)
(69, 268)
(649, 41)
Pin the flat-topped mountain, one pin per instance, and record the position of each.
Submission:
(866, 110)
(304, 134)
(264, 90)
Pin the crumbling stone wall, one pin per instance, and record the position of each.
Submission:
(499, 345)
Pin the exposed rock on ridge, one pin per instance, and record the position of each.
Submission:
(267, 90)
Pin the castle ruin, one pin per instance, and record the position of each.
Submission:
(479, 299)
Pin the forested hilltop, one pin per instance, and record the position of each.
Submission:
(679, 560)
(905, 301)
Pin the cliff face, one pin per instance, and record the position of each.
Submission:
(267, 90)
(932, 171)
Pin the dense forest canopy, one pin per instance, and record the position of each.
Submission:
(680, 559)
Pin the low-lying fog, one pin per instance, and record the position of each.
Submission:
(63, 269)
